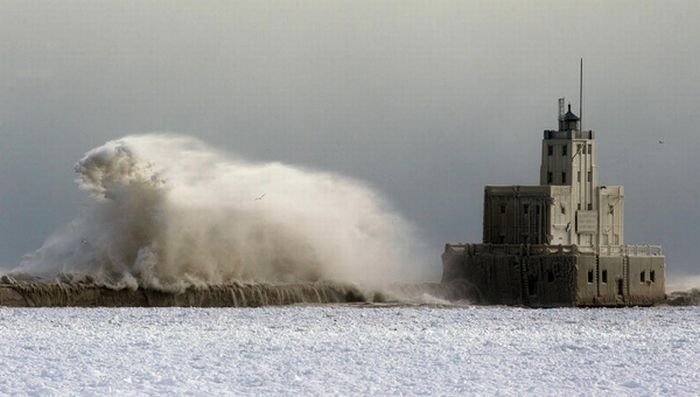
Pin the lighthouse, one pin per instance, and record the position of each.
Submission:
(559, 243)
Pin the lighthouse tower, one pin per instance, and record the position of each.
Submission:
(568, 207)
(569, 158)
(559, 243)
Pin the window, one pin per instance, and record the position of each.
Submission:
(550, 150)
(604, 276)
(590, 175)
(619, 286)
(563, 209)
(550, 276)
(584, 149)
(642, 276)
(526, 208)
(549, 177)
(579, 148)
(578, 176)
(652, 276)
(590, 277)
(563, 150)
(563, 177)
(590, 206)
(503, 209)
(590, 149)
(532, 284)
(537, 209)
(578, 206)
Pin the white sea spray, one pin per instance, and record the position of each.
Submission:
(168, 212)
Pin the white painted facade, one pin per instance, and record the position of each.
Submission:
(575, 209)
(559, 243)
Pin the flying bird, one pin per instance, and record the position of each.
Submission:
(260, 197)
(661, 142)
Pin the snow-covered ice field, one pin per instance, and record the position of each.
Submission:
(336, 350)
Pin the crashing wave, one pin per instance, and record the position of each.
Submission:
(168, 212)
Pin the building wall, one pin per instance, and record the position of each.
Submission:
(571, 152)
(546, 276)
(586, 291)
(513, 274)
(453, 263)
(495, 276)
(569, 160)
(556, 161)
(550, 280)
(584, 172)
(562, 215)
(647, 291)
(550, 215)
(612, 212)
(611, 279)
(516, 214)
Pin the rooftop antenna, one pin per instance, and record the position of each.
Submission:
(580, 96)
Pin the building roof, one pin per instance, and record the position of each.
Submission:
(570, 116)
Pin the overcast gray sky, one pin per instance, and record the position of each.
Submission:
(427, 101)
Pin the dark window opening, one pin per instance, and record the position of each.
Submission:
(642, 276)
(503, 209)
(563, 150)
(578, 207)
(584, 149)
(549, 177)
(590, 276)
(537, 209)
(563, 210)
(526, 208)
(563, 177)
(501, 239)
(590, 175)
(652, 276)
(550, 276)
(532, 284)
(604, 276)
(619, 286)
(578, 176)
(590, 206)
(590, 149)
(550, 150)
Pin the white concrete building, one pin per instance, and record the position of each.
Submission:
(568, 207)
(560, 243)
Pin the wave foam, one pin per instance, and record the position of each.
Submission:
(171, 212)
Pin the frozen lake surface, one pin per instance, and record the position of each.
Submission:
(341, 350)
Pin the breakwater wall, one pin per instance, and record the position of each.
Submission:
(38, 294)
(60, 294)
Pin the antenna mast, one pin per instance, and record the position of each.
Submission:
(580, 95)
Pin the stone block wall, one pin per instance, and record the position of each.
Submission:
(547, 276)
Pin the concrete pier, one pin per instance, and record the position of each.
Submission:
(56, 294)
(66, 294)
